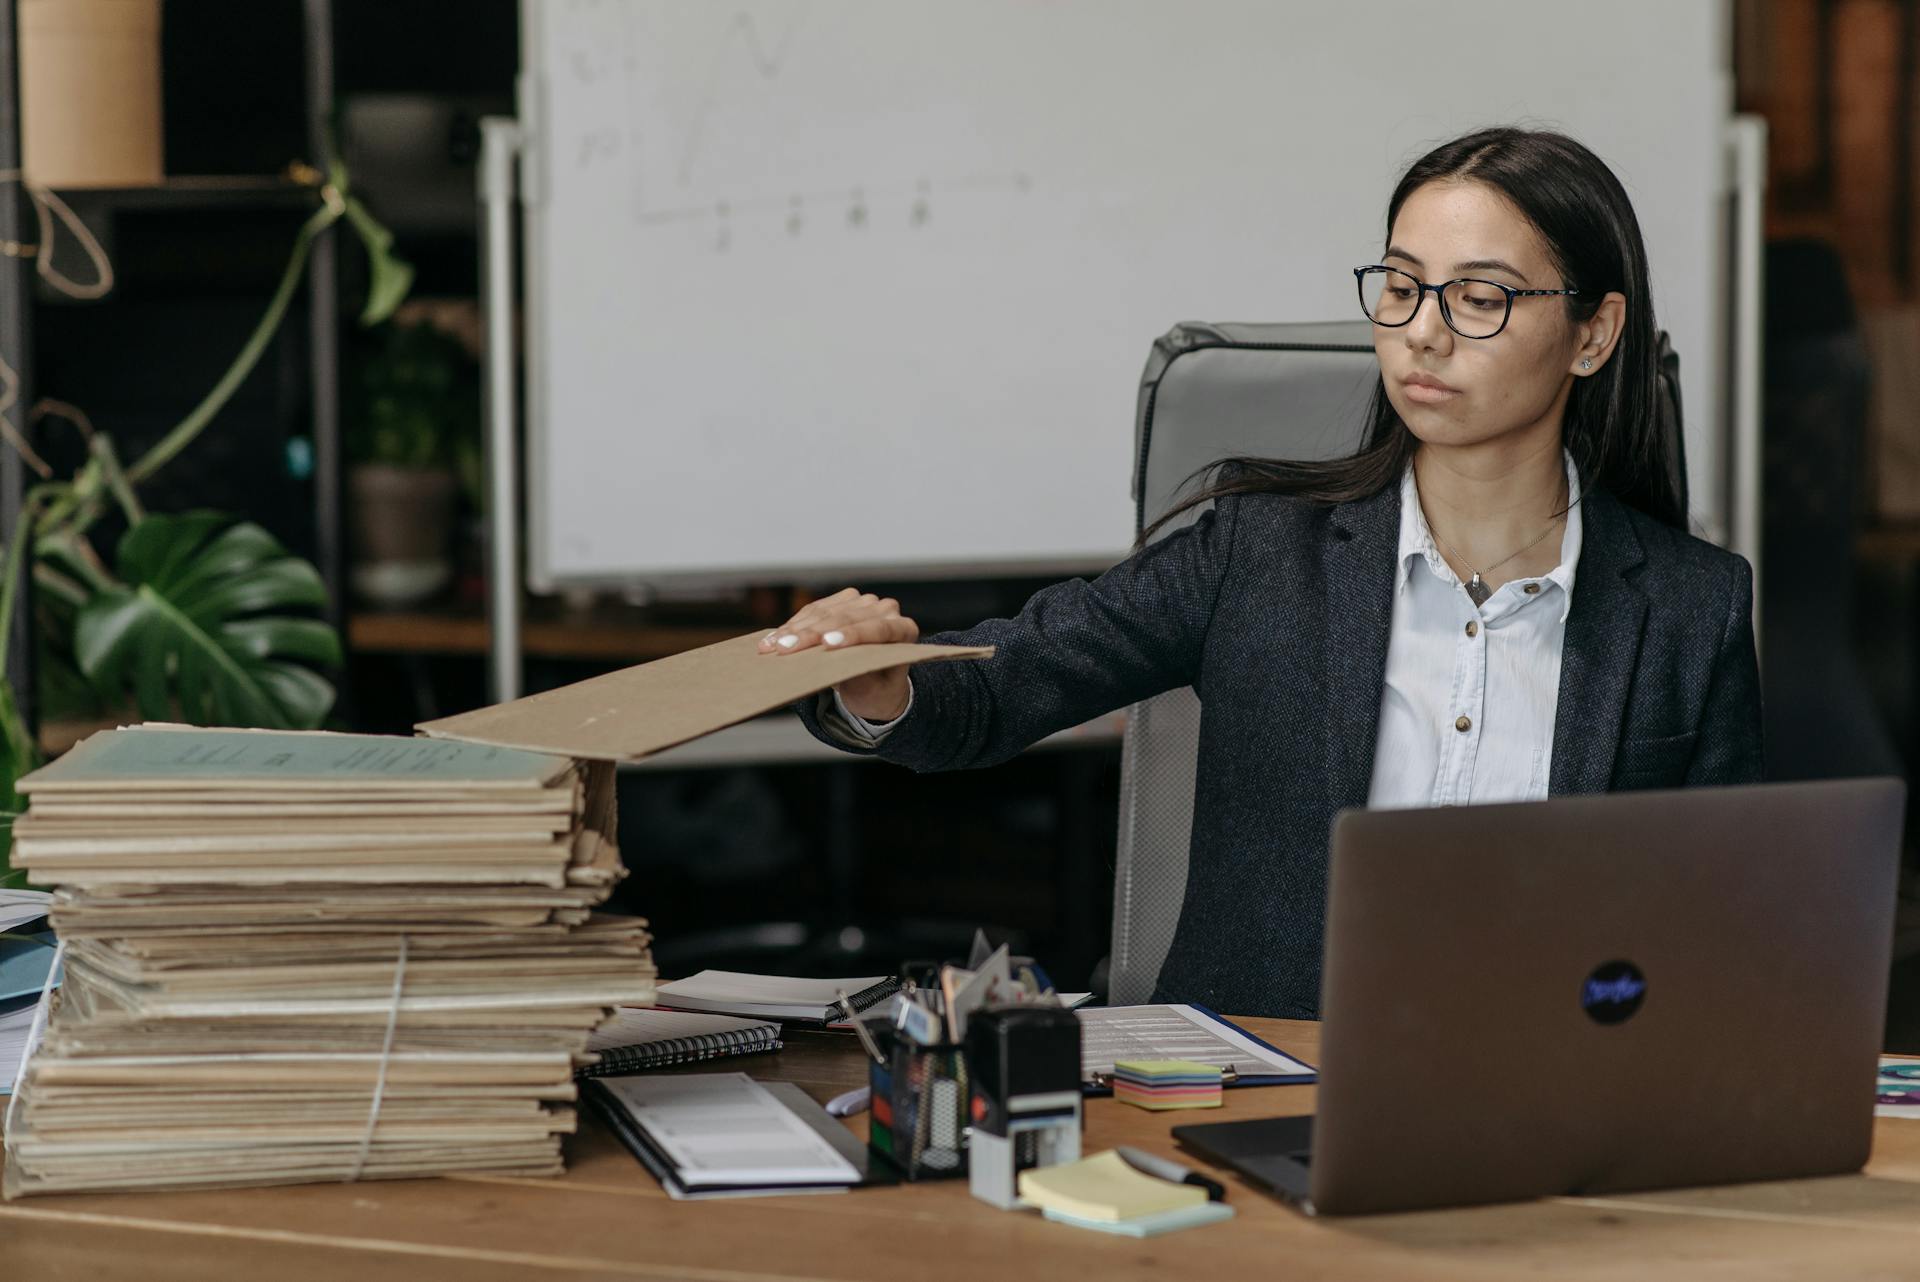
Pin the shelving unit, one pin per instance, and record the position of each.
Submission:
(316, 409)
(606, 634)
(188, 191)
(16, 343)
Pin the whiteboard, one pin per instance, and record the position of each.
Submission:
(817, 288)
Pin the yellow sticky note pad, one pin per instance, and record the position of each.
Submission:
(1105, 1189)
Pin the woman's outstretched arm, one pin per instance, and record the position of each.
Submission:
(1077, 649)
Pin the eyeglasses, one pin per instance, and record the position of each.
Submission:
(1471, 308)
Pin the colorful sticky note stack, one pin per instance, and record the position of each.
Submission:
(1160, 1084)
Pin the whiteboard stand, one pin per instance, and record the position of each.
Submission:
(499, 160)
(1747, 179)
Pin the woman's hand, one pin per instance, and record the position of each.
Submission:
(850, 617)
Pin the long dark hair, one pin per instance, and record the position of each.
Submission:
(1611, 425)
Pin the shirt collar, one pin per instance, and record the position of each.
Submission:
(1417, 542)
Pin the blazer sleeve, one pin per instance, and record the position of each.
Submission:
(1077, 649)
(1729, 746)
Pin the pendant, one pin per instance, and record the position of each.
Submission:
(1478, 590)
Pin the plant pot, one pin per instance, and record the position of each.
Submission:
(399, 524)
(90, 92)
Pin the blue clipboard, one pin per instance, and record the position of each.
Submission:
(24, 964)
(1307, 1078)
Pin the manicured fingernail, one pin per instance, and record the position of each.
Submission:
(788, 641)
(834, 638)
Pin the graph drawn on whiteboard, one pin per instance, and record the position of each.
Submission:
(707, 150)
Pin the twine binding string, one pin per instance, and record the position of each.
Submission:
(35, 1032)
(386, 1058)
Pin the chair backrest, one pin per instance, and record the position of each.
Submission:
(1298, 391)
(1210, 392)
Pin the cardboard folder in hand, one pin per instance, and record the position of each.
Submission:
(638, 711)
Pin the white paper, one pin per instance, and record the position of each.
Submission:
(769, 996)
(725, 1128)
(18, 907)
(1110, 1034)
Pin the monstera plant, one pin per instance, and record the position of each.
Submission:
(199, 616)
(200, 624)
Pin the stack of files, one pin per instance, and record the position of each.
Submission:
(1103, 1192)
(1161, 1084)
(310, 956)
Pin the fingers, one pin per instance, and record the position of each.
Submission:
(846, 618)
(871, 632)
(810, 612)
(815, 609)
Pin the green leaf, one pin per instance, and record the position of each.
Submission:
(208, 626)
(389, 276)
(301, 689)
(65, 694)
(155, 551)
(18, 755)
(67, 559)
(307, 640)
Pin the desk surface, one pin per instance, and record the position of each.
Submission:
(607, 1218)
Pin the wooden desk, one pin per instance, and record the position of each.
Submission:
(607, 1219)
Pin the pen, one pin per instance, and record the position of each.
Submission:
(860, 1030)
(1167, 1169)
(853, 1101)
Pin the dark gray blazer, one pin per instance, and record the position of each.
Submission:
(1277, 612)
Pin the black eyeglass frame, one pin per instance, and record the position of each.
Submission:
(1446, 313)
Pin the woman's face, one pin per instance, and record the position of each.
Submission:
(1513, 383)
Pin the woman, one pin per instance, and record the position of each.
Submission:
(1496, 599)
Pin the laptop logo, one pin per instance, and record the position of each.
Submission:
(1613, 992)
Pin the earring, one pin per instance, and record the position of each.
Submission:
(1586, 364)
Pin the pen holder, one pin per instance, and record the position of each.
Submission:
(919, 1109)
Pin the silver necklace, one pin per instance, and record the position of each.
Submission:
(1476, 586)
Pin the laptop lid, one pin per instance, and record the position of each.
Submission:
(1601, 993)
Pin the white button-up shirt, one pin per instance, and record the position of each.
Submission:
(1467, 710)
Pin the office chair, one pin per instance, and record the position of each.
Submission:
(1209, 392)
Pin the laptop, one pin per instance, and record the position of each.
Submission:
(1590, 995)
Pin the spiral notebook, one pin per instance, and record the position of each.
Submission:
(639, 1038)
